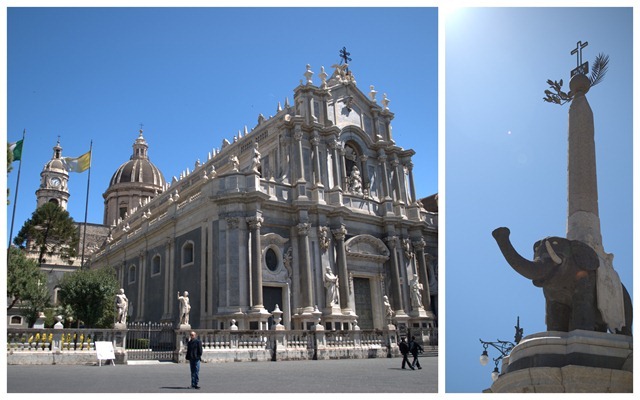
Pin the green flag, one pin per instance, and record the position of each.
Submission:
(16, 149)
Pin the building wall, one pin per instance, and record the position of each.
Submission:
(300, 206)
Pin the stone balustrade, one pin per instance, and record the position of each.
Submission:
(77, 346)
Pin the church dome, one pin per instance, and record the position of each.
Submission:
(139, 169)
(135, 181)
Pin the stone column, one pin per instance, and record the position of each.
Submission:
(301, 183)
(343, 166)
(336, 164)
(386, 196)
(412, 187)
(141, 286)
(300, 164)
(365, 174)
(256, 261)
(306, 278)
(396, 287)
(343, 273)
(315, 140)
(395, 164)
(168, 280)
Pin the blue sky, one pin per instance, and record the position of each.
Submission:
(506, 162)
(196, 76)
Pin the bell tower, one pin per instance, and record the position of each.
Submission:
(54, 180)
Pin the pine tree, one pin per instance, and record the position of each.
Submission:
(49, 231)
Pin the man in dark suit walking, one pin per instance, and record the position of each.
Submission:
(404, 349)
(194, 354)
(415, 349)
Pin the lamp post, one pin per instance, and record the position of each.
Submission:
(503, 347)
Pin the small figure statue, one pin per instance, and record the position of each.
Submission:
(234, 162)
(256, 158)
(185, 307)
(324, 238)
(122, 307)
(331, 284)
(355, 180)
(406, 246)
(387, 309)
(416, 295)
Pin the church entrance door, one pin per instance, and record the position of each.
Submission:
(362, 291)
(271, 295)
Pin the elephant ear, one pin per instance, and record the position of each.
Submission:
(584, 256)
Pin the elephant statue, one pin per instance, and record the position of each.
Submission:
(566, 271)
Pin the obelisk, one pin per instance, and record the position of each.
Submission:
(583, 221)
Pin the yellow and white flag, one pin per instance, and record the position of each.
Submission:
(77, 164)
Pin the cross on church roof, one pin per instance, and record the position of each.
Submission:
(345, 56)
(580, 68)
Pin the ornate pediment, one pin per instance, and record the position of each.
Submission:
(367, 247)
(272, 239)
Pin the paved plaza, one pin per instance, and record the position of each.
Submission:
(378, 375)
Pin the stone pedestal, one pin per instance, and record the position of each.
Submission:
(317, 194)
(571, 362)
(258, 318)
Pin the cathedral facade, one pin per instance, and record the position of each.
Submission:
(311, 213)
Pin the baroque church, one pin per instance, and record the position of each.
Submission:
(311, 213)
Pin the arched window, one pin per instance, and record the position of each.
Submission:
(187, 253)
(132, 274)
(15, 320)
(155, 265)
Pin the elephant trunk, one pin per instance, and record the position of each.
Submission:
(533, 270)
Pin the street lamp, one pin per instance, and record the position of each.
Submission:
(504, 347)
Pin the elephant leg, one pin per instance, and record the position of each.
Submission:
(628, 313)
(585, 309)
(558, 316)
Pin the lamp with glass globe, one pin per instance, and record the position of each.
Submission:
(504, 347)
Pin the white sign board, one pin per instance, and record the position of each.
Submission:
(105, 351)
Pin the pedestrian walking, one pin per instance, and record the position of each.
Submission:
(415, 349)
(404, 349)
(194, 355)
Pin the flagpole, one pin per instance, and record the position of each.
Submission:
(86, 205)
(15, 199)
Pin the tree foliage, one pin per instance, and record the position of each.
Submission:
(90, 295)
(26, 285)
(49, 231)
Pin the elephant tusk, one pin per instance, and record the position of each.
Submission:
(554, 257)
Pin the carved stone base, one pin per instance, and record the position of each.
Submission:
(576, 361)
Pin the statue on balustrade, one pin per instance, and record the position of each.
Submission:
(122, 307)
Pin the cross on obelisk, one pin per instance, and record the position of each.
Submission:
(580, 67)
(583, 220)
